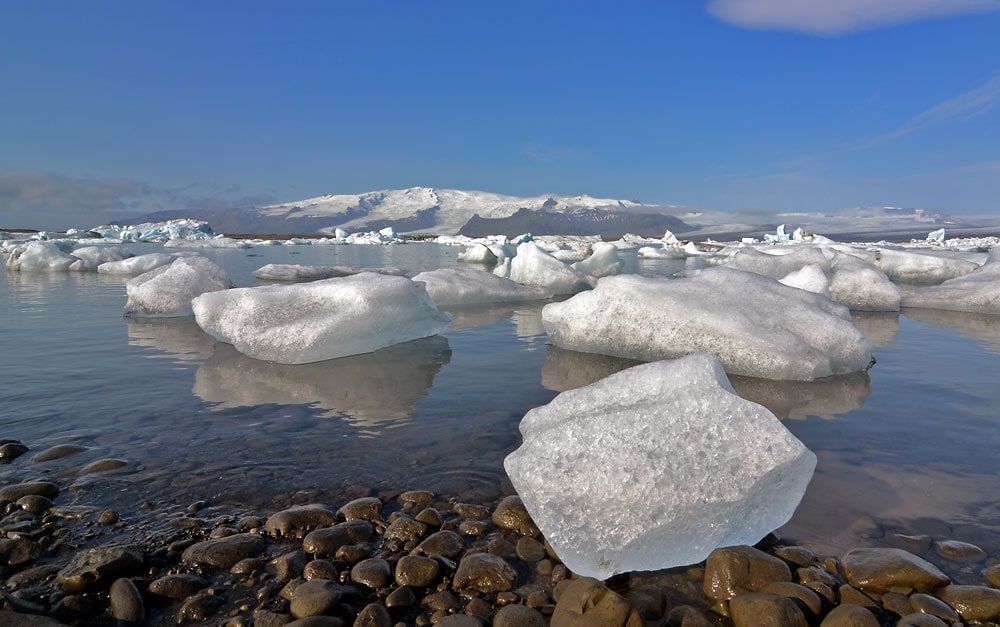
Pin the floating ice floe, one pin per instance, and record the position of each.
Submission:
(167, 291)
(655, 467)
(755, 325)
(936, 237)
(326, 319)
(295, 272)
(975, 292)
(217, 242)
(181, 229)
(914, 267)
(465, 286)
(136, 265)
(661, 252)
(479, 254)
(62, 257)
(533, 266)
(603, 261)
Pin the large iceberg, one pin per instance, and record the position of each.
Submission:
(136, 265)
(465, 286)
(62, 256)
(975, 292)
(755, 325)
(911, 267)
(655, 467)
(167, 291)
(308, 322)
(533, 266)
(296, 272)
(182, 228)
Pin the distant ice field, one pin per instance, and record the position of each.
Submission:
(909, 446)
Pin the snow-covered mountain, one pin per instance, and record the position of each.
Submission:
(445, 212)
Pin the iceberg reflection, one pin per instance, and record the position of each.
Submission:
(827, 398)
(180, 339)
(370, 390)
(983, 327)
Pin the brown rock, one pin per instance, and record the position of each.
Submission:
(100, 563)
(992, 575)
(58, 452)
(102, 465)
(18, 551)
(373, 615)
(320, 569)
(178, 586)
(484, 572)
(959, 551)
(920, 620)
(972, 602)
(417, 571)
(850, 616)
(405, 529)
(511, 515)
(326, 541)
(365, 508)
(126, 603)
(808, 600)
(882, 570)
(530, 550)
(586, 602)
(373, 572)
(471, 510)
(11, 493)
(926, 604)
(416, 497)
(519, 616)
(757, 609)
(315, 597)
(224, 552)
(798, 555)
(198, 608)
(298, 520)
(441, 543)
(740, 569)
(16, 619)
(849, 595)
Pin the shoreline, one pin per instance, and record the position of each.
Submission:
(413, 557)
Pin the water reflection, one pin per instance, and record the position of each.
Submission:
(983, 327)
(827, 398)
(180, 339)
(880, 327)
(373, 390)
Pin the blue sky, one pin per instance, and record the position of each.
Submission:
(772, 104)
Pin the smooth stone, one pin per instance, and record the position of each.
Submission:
(960, 551)
(849, 595)
(650, 601)
(373, 572)
(321, 569)
(824, 592)
(511, 515)
(401, 597)
(474, 528)
(519, 616)
(317, 621)
(920, 620)
(178, 586)
(441, 543)
(98, 564)
(315, 597)
(758, 609)
(797, 555)
(809, 599)
(445, 601)
(530, 550)
(850, 616)
(417, 571)
(198, 608)
(12, 450)
(290, 565)
(882, 570)
(926, 604)
(58, 451)
(586, 602)
(910, 542)
(473, 511)
(479, 608)
(225, 552)
(71, 608)
(740, 569)
(12, 493)
(416, 497)
(267, 618)
(353, 553)
(430, 517)
(102, 465)
(247, 567)
(16, 619)
(992, 575)
(972, 602)
(459, 620)
(326, 541)
(365, 508)
(373, 615)
(298, 520)
(31, 575)
(18, 551)
(126, 602)
(405, 529)
(484, 572)
(817, 574)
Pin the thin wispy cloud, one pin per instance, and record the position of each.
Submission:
(835, 17)
(971, 104)
(546, 153)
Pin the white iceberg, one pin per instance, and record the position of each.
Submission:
(603, 261)
(755, 325)
(655, 467)
(217, 242)
(810, 278)
(465, 286)
(533, 266)
(478, 253)
(89, 258)
(295, 272)
(661, 252)
(136, 265)
(39, 257)
(975, 292)
(167, 291)
(309, 322)
(912, 267)
(182, 228)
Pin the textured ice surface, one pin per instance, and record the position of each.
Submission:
(755, 325)
(911, 267)
(90, 257)
(465, 286)
(533, 266)
(157, 231)
(975, 292)
(861, 286)
(217, 242)
(167, 291)
(295, 272)
(308, 322)
(39, 257)
(655, 467)
(478, 253)
(603, 261)
(136, 265)
(810, 278)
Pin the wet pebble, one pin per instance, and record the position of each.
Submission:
(177, 586)
(510, 514)
(881, 570)
(959, 551)
(99, 564)
(972, 602)
(374, 573)
(850, 616)
(471, 511)
(365, 508)
(530, 550)
(12, 493)
(927, 604)
(992, 575)
(740, 569)
(373, 615)
(12, 449)
(485, 573)
(126, 602)
(417, 571)
(299, 520)
(405, 529)
(326, 541)
(320, 569)
(58, 451)
(754, 609)
(198, 608)
(102, 465)
(18, 551)
(224, 552)
(586, 602)
(315, 597)
(920, 620)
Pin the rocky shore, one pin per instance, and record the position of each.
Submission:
(415, 558)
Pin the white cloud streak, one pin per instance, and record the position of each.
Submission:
(836, 17)
(976, 102)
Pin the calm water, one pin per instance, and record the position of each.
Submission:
(909, 447)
